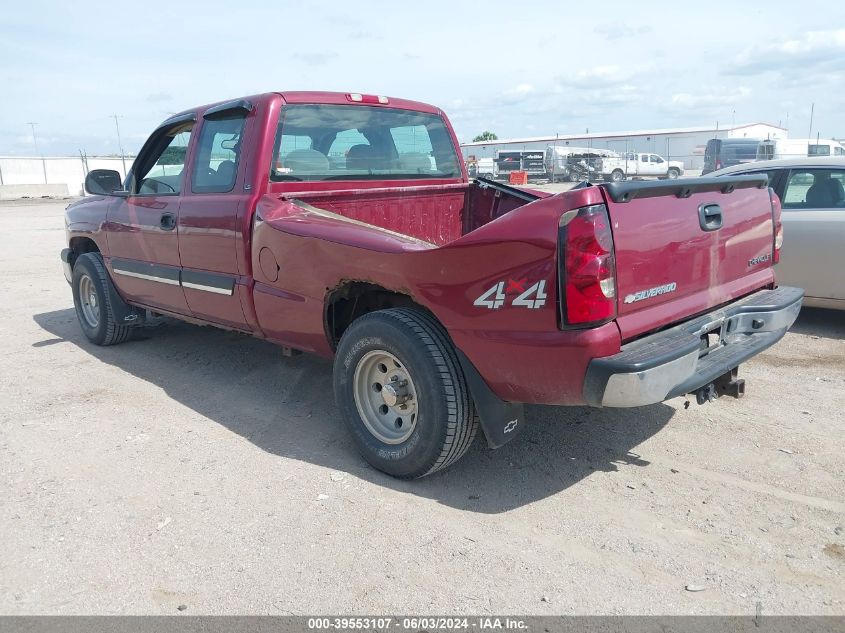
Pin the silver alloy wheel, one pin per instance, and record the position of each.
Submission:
(385, 397)
(88, 301)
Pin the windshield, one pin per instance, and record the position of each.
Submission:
(354, 142)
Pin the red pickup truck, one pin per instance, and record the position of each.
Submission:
(345, 225)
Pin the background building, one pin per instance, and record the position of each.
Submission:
(683, 144)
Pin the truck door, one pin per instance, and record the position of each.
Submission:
(142, 227)
(659, 167)
(212, 231)
(642, 165)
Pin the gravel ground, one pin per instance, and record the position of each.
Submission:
(201, 468)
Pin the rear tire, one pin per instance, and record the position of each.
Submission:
(403, 352)
(93, 304)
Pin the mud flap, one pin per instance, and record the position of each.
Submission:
(501, 421)
(124, 313)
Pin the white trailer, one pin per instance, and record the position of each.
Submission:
(774, 149)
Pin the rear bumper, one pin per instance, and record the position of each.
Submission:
(673, 362)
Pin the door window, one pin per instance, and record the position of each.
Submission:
(218, 154)
(160, 172)
(656, 159)
(815, 189)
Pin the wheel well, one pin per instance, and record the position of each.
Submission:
(82, 245)
(354, 299)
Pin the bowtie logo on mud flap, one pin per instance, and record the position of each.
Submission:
(510, 426)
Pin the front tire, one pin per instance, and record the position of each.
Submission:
(617, 176)
(673, 173)
(402, 393)
(93, 304)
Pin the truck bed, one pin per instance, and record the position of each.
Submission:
(434, 214)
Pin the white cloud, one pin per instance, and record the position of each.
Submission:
(521, 89)
(808, 54)
(713, 99)
(601, 76)
(619, 30)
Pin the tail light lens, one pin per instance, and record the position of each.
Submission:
(587, 267)
(718, 164)
(778, 225)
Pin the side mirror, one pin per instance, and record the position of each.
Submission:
(103, 182)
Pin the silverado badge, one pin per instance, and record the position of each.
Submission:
(651, 292)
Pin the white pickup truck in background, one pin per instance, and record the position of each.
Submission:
(636, 165)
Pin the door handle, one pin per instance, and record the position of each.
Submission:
(168, 221)
(710, 216)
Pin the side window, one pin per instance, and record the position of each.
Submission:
(644, 158)
(218, 154)
(656, 159)
(818, 150)
(161, 171)
(839, 151)
(815, 189)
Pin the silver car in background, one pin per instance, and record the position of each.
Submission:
(812, 192)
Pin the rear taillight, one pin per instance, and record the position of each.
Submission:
(718, 164)
(778, 226)
(587, 267)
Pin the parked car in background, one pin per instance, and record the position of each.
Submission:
(635, 165)
(727, 152)
(812, 194)
(486, 168)
(774, 149)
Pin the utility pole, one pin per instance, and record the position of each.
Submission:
(120, 143)
(812, 109)
(37, 152)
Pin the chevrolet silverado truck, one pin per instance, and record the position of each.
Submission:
(345, 225)
(633, 165)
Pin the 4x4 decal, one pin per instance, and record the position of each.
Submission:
(496, 296)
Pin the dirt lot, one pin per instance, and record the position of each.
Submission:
(201, 468)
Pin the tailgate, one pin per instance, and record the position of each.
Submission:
(686, 246)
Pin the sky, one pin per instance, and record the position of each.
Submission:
(514, 68)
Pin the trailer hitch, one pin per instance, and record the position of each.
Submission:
(725, 385)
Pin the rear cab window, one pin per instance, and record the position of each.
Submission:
(353, 142)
